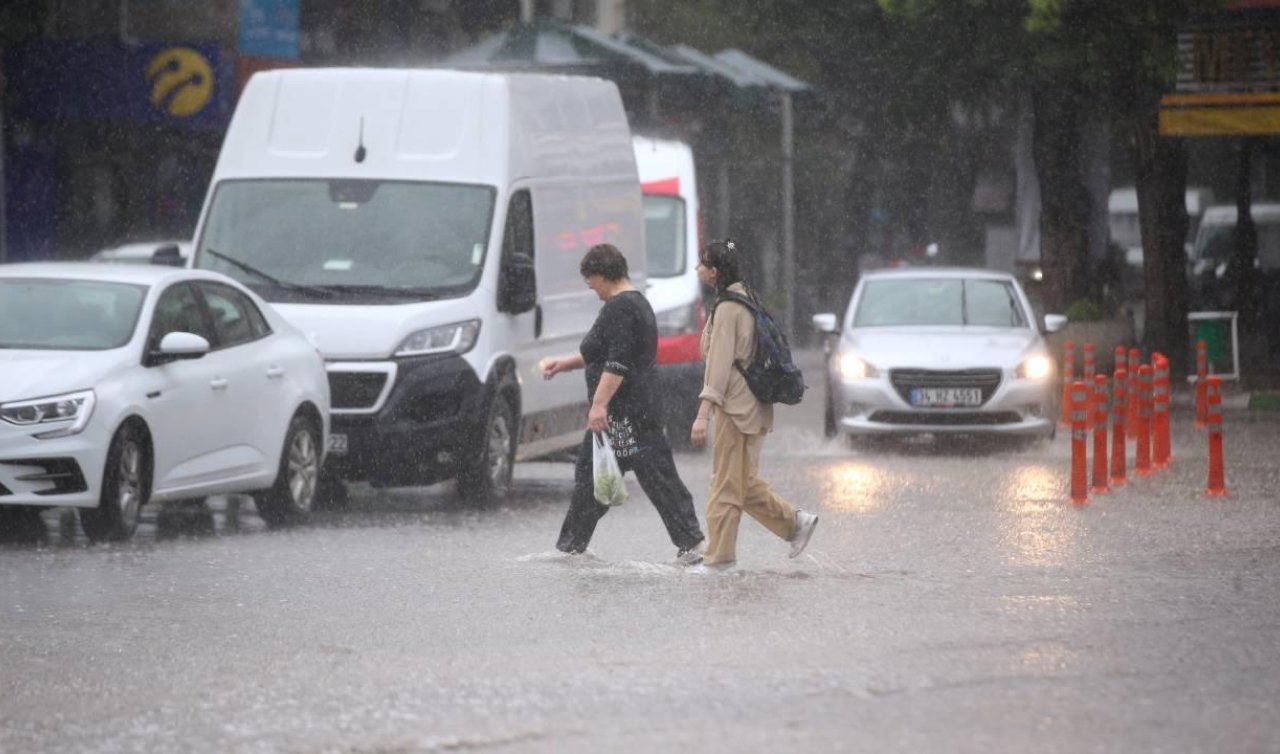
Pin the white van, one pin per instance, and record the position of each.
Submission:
(425, 228)
(1215, 245)
(672, 222)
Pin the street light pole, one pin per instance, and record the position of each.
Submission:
(788, 218)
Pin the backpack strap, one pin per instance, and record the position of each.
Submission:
(747, 301)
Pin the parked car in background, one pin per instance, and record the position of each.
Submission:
(124, 384)
(939, 351)
(1126, 232)
(170, 253)
(1214, 246)
(672, 242)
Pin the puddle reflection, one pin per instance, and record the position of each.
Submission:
(1038, 526)
(856, 487)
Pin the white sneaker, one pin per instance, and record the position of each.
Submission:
(693, 555)
(806, 522)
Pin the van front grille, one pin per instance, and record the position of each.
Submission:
(355, 390)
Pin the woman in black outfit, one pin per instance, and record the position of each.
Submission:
(619, 355)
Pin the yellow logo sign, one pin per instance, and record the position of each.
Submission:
(181, 81)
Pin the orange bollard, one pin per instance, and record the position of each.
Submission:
(1217, 486)
(1068, 374)
(1090, 371)
(1120, 357)
(1142, 461)
(1160, 441)
(1119, 406)
(1079, 399)
(1099, 434)
(1135, 361)
(1202, 373)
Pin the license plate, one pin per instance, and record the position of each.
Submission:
(337, 444)
(946, 397)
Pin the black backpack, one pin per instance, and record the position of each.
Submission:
(772, 375)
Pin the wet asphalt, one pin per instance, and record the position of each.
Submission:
(952, 599)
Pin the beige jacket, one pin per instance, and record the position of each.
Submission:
(730, 336)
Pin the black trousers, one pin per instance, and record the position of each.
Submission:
(655, 469)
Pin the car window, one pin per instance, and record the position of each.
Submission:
(68, 315)
(178, 310)
(236, 319)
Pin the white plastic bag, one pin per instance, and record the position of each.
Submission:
(609, 488)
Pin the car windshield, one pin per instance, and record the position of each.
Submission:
(67, 315)
(1216, 244)
(348, 241)
(935, 302)
(664, 236)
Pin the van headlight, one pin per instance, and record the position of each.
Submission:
(66, 414)
(458, 337)
(856, 368)
(1035, 368)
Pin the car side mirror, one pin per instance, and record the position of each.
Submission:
(177, 346)
(168, 255)
(1054, 322)
(826, 323)
(518, 291)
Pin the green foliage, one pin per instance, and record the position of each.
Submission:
(1085, 310)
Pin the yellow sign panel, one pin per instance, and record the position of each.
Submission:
(181, 81)
(1243, 114)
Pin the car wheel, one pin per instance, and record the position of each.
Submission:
(126, 487)
(829, 416)
(331, 494)
(21, 524)
(485, 474)
(290, 499)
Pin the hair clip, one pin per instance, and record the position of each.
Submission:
(729, 245)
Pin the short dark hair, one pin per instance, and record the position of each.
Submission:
(725, 258)
(604, 260)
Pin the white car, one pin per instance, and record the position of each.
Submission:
(123, 384)
(939, 351)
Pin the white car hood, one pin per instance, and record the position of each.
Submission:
(949, 348)
(36, 374)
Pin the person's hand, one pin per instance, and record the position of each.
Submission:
(598, 419)
(698, 435)
(550, 367)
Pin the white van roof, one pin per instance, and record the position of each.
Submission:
(1125, 200)
(1225, 214)
(662, 160)
(312, 123)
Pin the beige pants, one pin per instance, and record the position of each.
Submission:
(735, 487)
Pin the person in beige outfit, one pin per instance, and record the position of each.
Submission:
(741, 421)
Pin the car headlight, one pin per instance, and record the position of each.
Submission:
(458, 337)
(66, 414)
(1035, 368)
(855, 368)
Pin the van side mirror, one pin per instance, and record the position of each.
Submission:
(518, 291)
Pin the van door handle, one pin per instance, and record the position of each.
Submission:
(218, 383)
(275, 373)
(537, 320)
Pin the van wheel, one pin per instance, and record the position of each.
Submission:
(485, 474)
(125, 489)
(290, 499)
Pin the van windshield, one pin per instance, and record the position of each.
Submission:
(348, 241)
(664, 236)
(1217, 244)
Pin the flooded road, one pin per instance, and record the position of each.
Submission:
(951, 600)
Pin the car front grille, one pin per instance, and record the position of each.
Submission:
(928, 418)
(355, 390)
(904, 380)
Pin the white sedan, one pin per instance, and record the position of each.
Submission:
(939, 351)
(123, 384)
